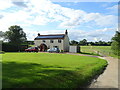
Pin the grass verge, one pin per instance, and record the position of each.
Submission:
(48, 70)
(98, 50)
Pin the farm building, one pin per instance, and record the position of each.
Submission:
(60, 41)
(74, 49)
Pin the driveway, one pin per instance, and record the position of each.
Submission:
(109, 78)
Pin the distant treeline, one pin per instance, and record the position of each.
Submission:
(84, 42)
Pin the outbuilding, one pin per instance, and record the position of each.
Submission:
(74, 49)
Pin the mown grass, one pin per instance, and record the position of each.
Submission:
(95, 50)
(48, 70)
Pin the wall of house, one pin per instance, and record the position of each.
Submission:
(50, 45)
(66, 43)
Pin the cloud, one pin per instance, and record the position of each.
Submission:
(46, 12)
(21, 4)
(85, 1)
(43, 12)
(4, 4)
(114, 9)
(101, 20)
(14, 18)
(97, 35)
(1, 16)
(67, 16)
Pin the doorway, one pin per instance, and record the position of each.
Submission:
(43, 48)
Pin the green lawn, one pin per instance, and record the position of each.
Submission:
(105, 50)
(48, 70)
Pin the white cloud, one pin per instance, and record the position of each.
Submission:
(101, 20)
(42, 12)
(40, 20)
(97, 35)
(13, 18)
(68, 17)
(108, 20)
(114, 9)
(4, 4)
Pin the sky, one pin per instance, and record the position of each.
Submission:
(93, 21)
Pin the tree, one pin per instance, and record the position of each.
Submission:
(116, 43)
(83, 42)
(15, 35)
(73, 42)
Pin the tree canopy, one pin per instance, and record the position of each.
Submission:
(15, 35)
(116, 43)
(84, 42)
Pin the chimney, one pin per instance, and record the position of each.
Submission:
(66, 32)
(38, 34)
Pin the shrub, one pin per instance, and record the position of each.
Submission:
(8, 47)
(62, 51)
(115, 48)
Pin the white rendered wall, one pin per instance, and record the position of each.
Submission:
(66, 43)
(73, 49)
(50, 45)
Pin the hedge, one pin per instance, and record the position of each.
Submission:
(8, 47)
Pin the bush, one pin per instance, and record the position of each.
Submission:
(116, 44)
(115, 48)
(62, 51)
(8, 47)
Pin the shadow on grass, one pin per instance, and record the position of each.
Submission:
(32, 75)
(89, 53)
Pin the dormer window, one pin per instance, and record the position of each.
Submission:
(59, 40)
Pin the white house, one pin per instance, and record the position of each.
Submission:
(60, 41)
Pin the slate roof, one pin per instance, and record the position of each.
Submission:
(53, 36)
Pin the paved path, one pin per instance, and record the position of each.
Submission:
(109, 79)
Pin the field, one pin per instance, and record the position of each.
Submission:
(48, 70)
(95, 50)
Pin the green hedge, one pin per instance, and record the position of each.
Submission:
(116, 48)
(7, 47)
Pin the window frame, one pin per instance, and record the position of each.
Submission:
(59, 40)
(51, 41)
(43, 41)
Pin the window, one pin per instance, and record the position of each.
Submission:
(51, 41)
(55, 46)
(43, 40)
(59, 40)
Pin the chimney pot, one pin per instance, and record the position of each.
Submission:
(38, 34)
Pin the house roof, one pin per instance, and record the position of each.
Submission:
(53, 36)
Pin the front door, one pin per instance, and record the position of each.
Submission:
(43, 48)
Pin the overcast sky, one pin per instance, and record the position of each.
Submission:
(93, 21)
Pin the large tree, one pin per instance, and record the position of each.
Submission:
(83, 42)
(73, 42)
(116, 43)
(15, 35)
